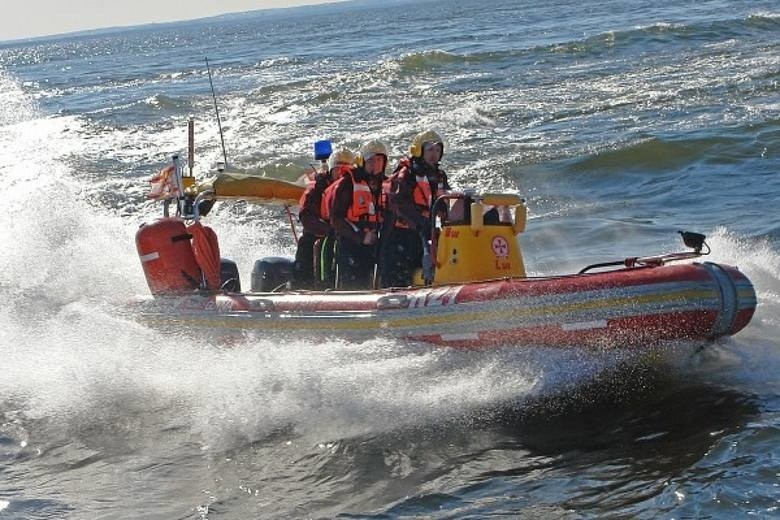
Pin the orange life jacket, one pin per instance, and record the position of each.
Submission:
(422, 193)
(363, 210)
(327, 200)
(385, 194)
(330, 191)
(309, 186)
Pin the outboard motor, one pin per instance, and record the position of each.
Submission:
(271, 272)
(228, 276)
(166, 255)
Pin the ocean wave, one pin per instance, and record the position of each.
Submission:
(151, 109)
(653, 154)
(163, 102)
(428, 60)
(659, 33)
(278, 62)
(716, 147)
(15, 105)
(764, 20)
(612, 40)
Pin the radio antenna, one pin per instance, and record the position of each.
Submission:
(216, 109)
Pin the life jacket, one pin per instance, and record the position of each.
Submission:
(384, 203)
(422, 193)
(363, 211)
(327, 200)
(309, 187)
(330, 191)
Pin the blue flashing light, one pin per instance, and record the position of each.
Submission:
(322, 150)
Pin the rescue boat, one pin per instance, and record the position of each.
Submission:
(472, 292)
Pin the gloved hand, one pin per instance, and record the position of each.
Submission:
(369, 239)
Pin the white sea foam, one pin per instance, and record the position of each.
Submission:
(15, 106)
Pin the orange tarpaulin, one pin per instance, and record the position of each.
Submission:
(206, 248)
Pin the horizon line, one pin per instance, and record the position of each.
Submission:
(119, 28)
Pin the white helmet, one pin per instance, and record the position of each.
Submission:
(373, 147)
(340, 156)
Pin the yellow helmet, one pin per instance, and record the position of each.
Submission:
(340, 156)
(370, 148)
(428, 136)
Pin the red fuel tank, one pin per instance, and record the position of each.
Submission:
(166, 255)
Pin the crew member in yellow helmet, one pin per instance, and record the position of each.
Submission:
(416, 183)
(315, 220)
(356, 216)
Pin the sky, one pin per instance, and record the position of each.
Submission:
(30, 18)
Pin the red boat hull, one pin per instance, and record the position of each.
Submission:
(628, 307)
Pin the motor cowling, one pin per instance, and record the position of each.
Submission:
(229, 278)
(166, 255)
(272, 273)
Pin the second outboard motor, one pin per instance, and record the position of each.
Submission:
(228, 276)
(272, 273)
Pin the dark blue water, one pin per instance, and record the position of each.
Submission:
(619, 122)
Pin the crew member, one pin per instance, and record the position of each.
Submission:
(355, 215)
(414, 185)
(316, 226)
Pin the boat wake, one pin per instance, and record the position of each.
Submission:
(90, 374)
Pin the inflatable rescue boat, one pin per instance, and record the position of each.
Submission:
(473, 291)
